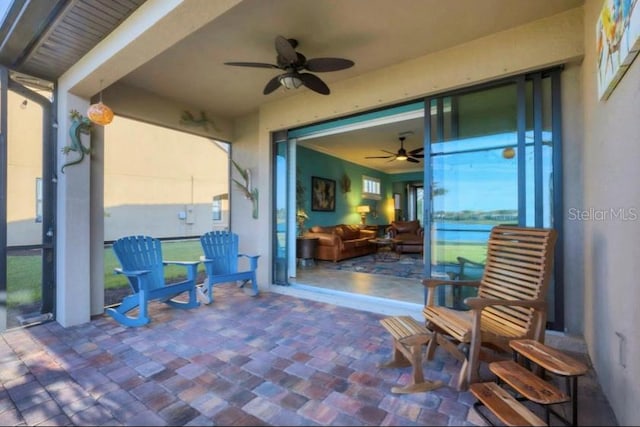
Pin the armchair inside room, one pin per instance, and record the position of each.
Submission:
(410, 234)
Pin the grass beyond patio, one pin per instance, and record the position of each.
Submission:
(24, 268)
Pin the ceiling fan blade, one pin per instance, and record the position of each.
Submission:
(320, 65)
(418, 156)
(416, 151)
(272, 85)
(412, 160)
(286, 52)
(314, 83)
(252, 64)
(379, 157)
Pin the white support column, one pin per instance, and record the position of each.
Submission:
(97, 220)
(73, 296)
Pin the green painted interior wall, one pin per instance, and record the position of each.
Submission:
(312, 163)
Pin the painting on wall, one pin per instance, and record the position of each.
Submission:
(323, 194)
(617, 42)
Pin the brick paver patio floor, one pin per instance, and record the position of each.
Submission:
(269, 360)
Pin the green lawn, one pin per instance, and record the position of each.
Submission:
(24, 270)
(476, 252)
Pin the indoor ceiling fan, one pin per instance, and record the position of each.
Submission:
(293, 63)
(402, 154)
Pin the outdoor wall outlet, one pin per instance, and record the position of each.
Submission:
(190, 219)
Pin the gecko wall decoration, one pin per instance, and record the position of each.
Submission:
(249, 193)
(188, 119)
(79, 125)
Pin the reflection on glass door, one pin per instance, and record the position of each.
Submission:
(474, 182)
(281, 209)
(491, 163)
(29, 212)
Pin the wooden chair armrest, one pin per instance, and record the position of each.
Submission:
(185, 263)
(479, 303)
(432, 283)
(191, 266)
(131, 273)
(253, 260)
(463, 260)
(249, 256)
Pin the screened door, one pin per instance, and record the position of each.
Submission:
(27, 163)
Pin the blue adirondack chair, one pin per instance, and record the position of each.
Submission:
(221, 261)
(142, 263)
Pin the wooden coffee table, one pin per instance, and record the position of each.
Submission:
(385, 249)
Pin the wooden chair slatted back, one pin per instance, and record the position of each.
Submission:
(221, 247)
(518, 267)
(141, 253)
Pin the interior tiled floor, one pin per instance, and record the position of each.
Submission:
(273, 359)
(396, 288)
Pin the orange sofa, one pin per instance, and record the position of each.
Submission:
(338, 242)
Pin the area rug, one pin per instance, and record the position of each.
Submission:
(408, 266)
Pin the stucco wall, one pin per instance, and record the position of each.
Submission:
(152, 175)
(24, 165)
(610, 265)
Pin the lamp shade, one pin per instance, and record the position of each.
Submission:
(100, 114)
(363, 209)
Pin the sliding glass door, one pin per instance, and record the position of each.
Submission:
(492, 158)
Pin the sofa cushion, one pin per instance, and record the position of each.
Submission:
(348, 232)
(407, 226)
(409, 239)
(320, 229)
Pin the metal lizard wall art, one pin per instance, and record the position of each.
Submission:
(79, 125)
(189, 119)
(249, 193)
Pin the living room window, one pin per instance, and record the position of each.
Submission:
(370, 188)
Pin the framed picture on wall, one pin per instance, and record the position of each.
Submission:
(323, 194)
(617, 42)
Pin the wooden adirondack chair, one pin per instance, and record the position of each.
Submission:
(142, 263)
(511, 302)
(221, 261)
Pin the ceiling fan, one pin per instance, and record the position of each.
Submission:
(293, 63)
(402, 154)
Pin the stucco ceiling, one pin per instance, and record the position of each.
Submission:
(373, 33)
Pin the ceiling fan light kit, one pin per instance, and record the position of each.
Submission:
(290, 81)
(402, 154)
(293, 63)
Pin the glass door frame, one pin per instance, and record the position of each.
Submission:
(557, 209)
(280, 272)
(47, 244)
